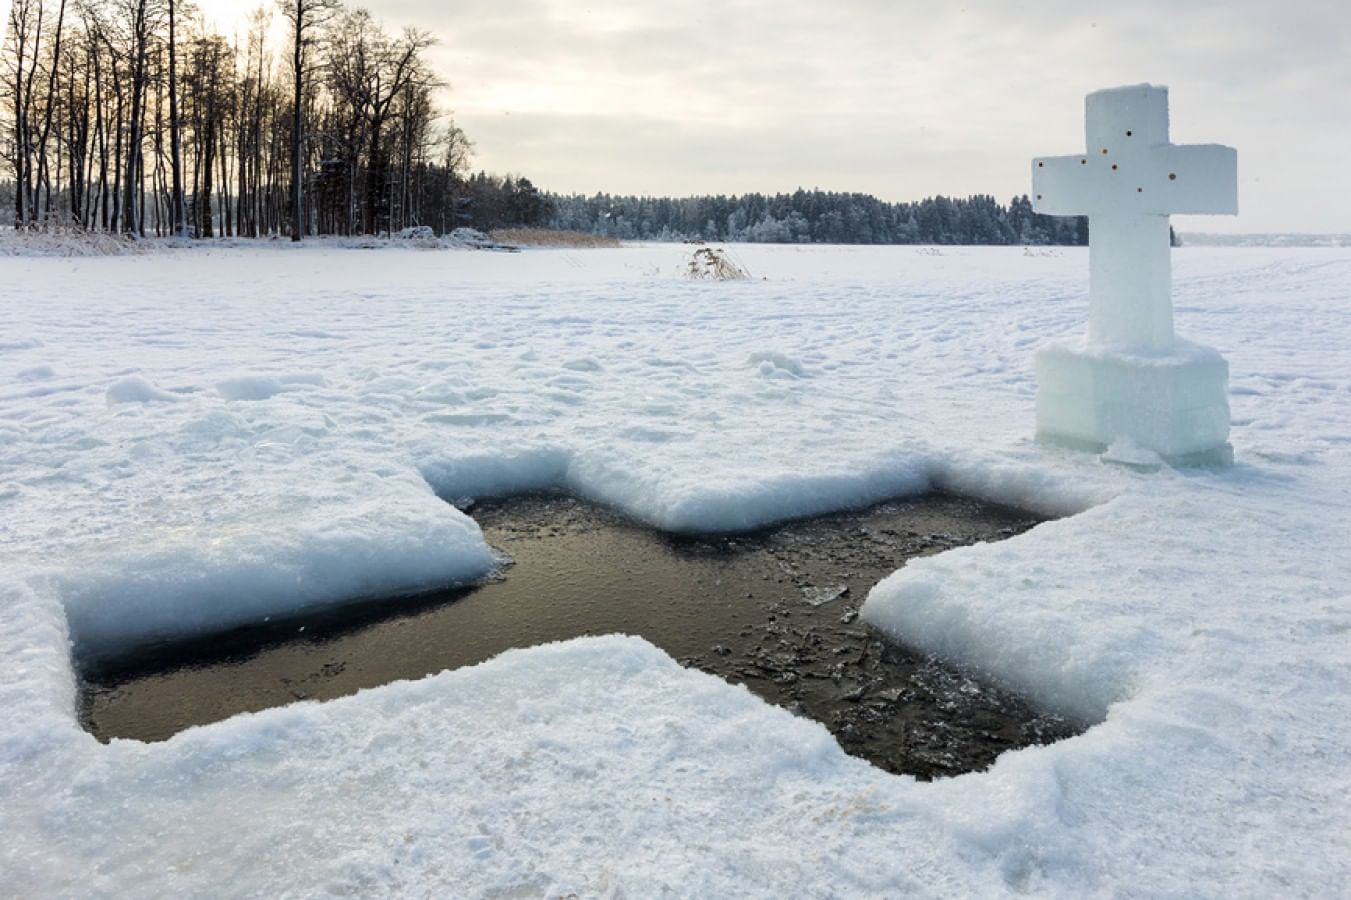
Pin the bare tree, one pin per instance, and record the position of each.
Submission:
(23, 44)
(370, 71)
(143, 18)
(306, 18)
(49, 104)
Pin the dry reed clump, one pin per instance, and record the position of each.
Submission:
(715, 264)
(551, 237)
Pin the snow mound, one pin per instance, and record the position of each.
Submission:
(415, 233)
(135, 389)
(68, 243)
(37, 373)
(25, 344)
(263, 387)
(772, 363)
(473, 239)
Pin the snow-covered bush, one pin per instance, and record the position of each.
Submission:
(51, 240)
(471, 237)
(416, 233)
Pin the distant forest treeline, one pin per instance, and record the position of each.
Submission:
(818, 217)
(136, 117)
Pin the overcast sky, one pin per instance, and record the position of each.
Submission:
(900, 99)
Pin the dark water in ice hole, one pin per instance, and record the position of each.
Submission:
(775, 609)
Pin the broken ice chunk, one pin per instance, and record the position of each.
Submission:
(820, 596)
(1126, 452)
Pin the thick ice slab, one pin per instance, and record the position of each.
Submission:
(1176, 404)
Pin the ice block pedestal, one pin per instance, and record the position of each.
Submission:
(1132, 381)
(1175, 403)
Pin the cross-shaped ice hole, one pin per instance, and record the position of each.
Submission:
(1129, 180)
(775, 609)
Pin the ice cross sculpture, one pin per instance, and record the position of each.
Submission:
(1129, 180)
(1131, 386)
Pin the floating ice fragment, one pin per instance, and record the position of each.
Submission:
(820, 596)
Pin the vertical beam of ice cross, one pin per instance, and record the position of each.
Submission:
(1129, 281)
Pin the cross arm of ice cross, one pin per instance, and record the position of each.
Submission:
(1202, 179)
(1166, 179)
(1060, 188)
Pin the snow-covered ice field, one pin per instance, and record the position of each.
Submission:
(192, 439)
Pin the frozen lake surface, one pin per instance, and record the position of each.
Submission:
(192, 441)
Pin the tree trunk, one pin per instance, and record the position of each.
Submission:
(130, 218)
(178, 225)
(373, 172)
(298, 126)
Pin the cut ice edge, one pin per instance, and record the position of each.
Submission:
(406, 542)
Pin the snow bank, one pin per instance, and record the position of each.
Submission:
(135, 389)
(497, 475)
(37, 373)
(1200, 618)
(742, 500)
(37, 683)
(262, 387)
(67, 243)
(74, 243)
(160, 586)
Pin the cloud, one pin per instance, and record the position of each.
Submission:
(895, 97)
